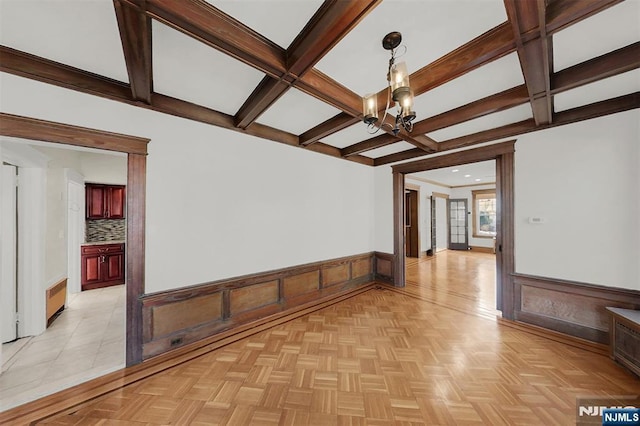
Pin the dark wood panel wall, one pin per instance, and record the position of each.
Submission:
(178, 317)
(569, 307)
(384, 267)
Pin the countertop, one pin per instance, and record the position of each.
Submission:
(95, 243)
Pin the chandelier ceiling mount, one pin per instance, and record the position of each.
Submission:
(398, 90)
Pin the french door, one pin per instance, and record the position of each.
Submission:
(458, 224)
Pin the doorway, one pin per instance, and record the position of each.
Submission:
(503, 154)
(412, 223)
(14, 126)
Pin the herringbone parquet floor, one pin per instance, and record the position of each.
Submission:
(378, 358)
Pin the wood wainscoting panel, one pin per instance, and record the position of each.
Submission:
(361, 268)
(175, 318)
(384, 267)
(301, 284)
(572, 308)
(253, 297)
(184, 314)
(335, 274)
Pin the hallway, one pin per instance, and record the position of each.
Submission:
(84, 342)
(383, 356)
(461, 280)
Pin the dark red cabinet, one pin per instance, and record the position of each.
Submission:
(105, 201)
(102, 265)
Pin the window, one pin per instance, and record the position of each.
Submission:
(484, 213)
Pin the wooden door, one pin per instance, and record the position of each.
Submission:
(95, 200)
(91, 269)
(458, 224)
(116, 202)
(411, 224)
(114, 267)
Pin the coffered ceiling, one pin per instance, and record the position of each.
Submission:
(294, 71)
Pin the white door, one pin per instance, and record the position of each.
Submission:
(8, 276)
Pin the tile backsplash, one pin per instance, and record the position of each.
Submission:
(106, 230)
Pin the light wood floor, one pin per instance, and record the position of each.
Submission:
(379, 358)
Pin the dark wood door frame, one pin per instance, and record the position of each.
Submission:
(503, 154)
(136, 150)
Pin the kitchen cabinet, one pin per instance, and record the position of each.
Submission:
(105, 201)
(102, 265)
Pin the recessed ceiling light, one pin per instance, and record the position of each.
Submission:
(455, 171)
(467, 175)
(478, 180)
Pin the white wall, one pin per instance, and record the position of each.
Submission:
(103, 168)
(569, 175)
(220, 203)
(56, 226)
(583, 180)
(383, 209)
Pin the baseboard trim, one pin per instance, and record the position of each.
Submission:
(76, 397)
(479, 249)
(597, 348)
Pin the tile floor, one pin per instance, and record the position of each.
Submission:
(84, 342)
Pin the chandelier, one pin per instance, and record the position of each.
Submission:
(398, 90)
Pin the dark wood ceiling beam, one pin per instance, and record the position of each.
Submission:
(332, 21)
(574, 115)
(399, 156)
(202, 21)
(419, 141)
(488, 47)
(44, 70)
(563, 13)
(263, 96)
(135, 35)
(607, 65)
(534, 52)
(370, 144)
(586, 112)
(499, 102)
(482, 50)
(326, 89)
(610, 64)
(328, 127)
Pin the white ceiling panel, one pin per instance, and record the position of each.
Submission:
(82, 34)
(297, 112)
(187, 69)
(430, 29)
(278, 20)
(611, 29)
(351, 135)
(487, 122)
(612, 87)
(389, 149)
(466, 174)
(488, 80)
